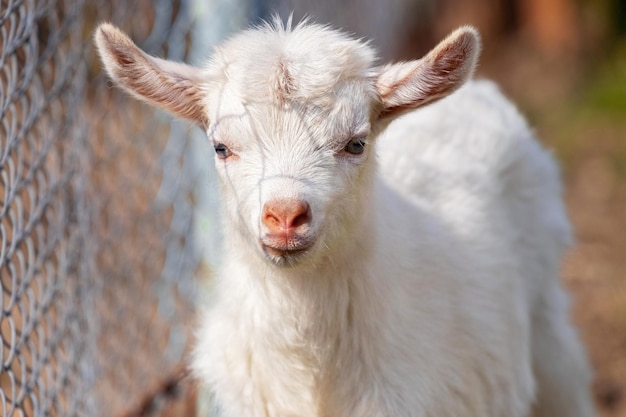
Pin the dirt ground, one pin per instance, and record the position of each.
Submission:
(595, 272)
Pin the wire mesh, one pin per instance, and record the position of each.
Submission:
(97, 265)
(41, 82)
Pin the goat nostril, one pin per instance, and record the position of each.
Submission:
(304, 217)
(270, 219)
(283, 215)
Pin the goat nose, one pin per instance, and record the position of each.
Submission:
(286, 216)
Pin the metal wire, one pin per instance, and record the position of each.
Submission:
(140, 199)
(41, 84)
(96, 265)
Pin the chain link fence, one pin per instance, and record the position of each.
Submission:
(42, 319)
(98, 252)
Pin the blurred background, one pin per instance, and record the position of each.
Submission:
(108, 210)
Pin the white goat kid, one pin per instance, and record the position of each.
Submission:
(424, 286)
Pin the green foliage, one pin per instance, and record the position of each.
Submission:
(592, 120)
(607, 94)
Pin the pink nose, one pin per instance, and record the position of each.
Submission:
(286, 217)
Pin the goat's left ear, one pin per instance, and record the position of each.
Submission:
(409, 85)
(172, 86)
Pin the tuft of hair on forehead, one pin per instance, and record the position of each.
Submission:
(285, 62)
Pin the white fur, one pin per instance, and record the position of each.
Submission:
(432, 287)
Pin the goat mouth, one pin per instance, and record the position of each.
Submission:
(288, 250)
(279, 252)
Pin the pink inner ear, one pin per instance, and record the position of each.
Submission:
(411, 89)
(453, 63)
(406, 86)
(171, 86)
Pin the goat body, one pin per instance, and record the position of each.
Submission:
(374, 265)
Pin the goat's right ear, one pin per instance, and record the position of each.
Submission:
(409, 85)
(172, 86)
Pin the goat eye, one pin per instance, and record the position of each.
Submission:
(222, 151)
(356, 146)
